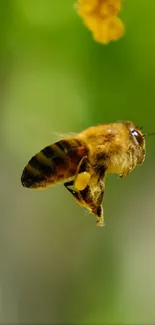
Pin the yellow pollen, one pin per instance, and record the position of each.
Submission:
(82, 181)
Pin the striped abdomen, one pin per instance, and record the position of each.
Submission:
(54, 164)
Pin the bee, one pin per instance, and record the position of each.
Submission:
(83, 161)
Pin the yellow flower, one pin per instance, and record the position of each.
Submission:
(100, 16)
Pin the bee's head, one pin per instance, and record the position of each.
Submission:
(138, 140)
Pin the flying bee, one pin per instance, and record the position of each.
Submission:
(82, 162)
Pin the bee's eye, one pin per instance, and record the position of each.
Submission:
(138, 136)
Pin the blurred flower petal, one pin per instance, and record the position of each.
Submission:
(100, 16)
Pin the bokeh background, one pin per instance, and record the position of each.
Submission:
(56, 266)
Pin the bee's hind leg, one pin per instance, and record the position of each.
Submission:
(93, 204)
(76, 194)
(98, 211)
(87, 200)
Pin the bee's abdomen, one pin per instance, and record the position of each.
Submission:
(53, 164)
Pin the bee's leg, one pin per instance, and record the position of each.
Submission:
(98, 211)
(99, 208)
(93, 204)
(82, 176)
(87, 200)
(76, 194)
(126, 173)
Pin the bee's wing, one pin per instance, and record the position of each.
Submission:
(66, 135)
(45, 132)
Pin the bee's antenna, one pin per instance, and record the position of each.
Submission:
(146, 134)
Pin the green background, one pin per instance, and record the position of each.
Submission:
(56, 266)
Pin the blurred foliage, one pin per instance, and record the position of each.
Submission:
(56, 266)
